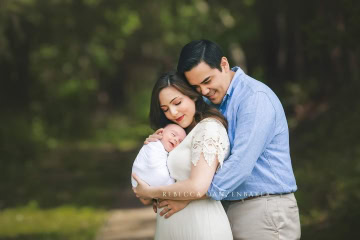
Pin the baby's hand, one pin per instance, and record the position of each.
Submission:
(155, 136)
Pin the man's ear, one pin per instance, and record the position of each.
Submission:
(225, 64)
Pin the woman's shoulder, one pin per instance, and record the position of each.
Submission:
(210, 138)
(210, 125)
(211, 121)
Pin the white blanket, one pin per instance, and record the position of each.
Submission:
(150, 165)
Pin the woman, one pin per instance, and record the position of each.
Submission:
(192, 163)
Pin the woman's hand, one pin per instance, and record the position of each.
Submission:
(142, 190)
(155, 136)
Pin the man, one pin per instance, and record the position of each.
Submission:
(256, 182)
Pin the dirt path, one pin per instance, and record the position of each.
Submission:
(129, 224)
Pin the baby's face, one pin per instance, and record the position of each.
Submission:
(172, 136)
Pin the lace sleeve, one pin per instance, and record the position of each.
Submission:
(212, 140)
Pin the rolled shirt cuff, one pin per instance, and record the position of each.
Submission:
(216, 193)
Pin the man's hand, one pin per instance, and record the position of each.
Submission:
(155, 136)
(172, 206)
(155, 205)
(152, 202)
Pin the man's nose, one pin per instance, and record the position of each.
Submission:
(204, 90)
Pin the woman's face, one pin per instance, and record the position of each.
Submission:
(177, 107)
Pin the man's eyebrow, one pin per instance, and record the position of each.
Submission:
(170, 102)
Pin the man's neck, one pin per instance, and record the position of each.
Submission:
(231, 77)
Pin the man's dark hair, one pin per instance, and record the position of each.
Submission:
(197, 51)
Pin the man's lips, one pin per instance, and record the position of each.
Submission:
(180, 118)
(211, 95)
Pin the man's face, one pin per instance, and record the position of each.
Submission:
(210, 82)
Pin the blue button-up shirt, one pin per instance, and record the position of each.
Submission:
(259, 161)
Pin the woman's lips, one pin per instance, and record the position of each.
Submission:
(180, 118)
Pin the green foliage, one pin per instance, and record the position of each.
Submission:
(82, 173)
(327, 168)
(121, 133)
(76, 79)
(63, 222)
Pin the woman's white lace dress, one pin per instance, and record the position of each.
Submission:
(201, 219)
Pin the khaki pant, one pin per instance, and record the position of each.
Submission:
(266, 217)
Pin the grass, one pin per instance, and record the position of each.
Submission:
(63, 222)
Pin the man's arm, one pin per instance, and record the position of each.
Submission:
(255, 127)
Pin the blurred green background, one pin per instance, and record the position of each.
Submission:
(76, 78)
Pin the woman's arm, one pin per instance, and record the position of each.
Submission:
(146, 201)
(195, 187)
(210, 140)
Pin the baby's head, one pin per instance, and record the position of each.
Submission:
(172, 135)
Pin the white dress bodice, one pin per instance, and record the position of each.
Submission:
(200, 219)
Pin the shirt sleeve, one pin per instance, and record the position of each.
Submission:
(254, 129)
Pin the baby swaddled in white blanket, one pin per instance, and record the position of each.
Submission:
(150, 164)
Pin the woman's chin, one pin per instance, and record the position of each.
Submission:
(183, 125)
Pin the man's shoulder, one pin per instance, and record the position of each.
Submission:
(250, 87)
(251, 92)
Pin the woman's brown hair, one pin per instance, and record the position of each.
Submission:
(177, 81)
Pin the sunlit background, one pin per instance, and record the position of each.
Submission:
(76, 78)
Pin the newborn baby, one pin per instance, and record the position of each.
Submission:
(150, 163)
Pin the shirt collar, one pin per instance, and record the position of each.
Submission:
(238, 71)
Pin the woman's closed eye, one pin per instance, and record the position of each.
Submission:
(177, 103)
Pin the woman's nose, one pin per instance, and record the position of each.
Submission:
(173, 111)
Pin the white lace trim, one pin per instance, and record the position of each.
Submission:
(210, 139)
